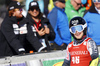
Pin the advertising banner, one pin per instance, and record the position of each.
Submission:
(53, 62)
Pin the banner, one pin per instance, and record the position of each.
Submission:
(53, 62)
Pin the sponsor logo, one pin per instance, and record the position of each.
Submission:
(33, 4)
(75, 22)
(58, 64)
(79, 52)
(12, 7)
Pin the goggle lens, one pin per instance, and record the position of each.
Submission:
(78, 28)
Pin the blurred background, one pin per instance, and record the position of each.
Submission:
(45, 6)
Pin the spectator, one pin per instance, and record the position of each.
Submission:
(74, 8)
(59, 22)
(40, 2)
(13, 33)
(7, 2)
(83, 49)
(40, 25)
(92, 18)
(9, 42)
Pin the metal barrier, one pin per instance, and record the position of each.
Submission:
(35, 59)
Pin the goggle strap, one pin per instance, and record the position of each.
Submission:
(85, 25)
(70, 30)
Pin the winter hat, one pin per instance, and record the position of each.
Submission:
(14, 5)
(33, 4)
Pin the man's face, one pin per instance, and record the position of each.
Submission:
(62, 5)
(18, 13)
(76, 4)
(97, 5)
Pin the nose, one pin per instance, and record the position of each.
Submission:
(76, 31)
(34, 10)
(79, 6)
(21, 11)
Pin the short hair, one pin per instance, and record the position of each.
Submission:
(11, 12)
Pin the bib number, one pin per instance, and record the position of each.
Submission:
(76, 60)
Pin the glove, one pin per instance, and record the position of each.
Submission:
(21, 51)
(94, 62)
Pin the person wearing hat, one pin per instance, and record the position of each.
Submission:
(92, 18)
(9, 42)
(16, 34)
(40, 26)
(83, 50)
(59, 21)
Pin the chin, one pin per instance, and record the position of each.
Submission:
(78, 37)
(20, 17)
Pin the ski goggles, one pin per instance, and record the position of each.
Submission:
(78, 28)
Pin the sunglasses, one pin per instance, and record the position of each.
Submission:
(19, 9)
(77, 3)
(35, 8)
(78, 28)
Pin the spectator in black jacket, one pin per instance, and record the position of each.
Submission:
(9, 30)
(40, 26)
(13, 33)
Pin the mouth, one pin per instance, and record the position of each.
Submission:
(34, 13)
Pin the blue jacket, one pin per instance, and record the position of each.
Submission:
(59, 22)
(93, 24)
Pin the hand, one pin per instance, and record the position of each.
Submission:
(94, 62)
(13, 14)
(41, 32)
(21, 51)
(47, 31)
(62, 44)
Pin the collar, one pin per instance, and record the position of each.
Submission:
(69, 5)
(97, 10)
(60, 8)
(79, 42)
(92, 9)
